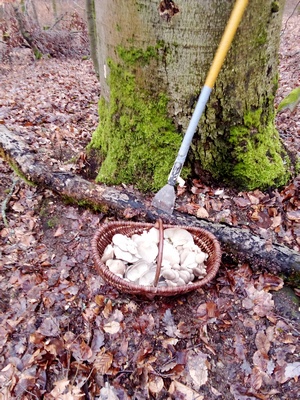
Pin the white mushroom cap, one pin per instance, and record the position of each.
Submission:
(148, 251)
(137, 238)
(170, 254)
(137, 270)
(116, 266)
(178, 236)
(189, 260)
(199, 271)
(124, 243)
(124, 255)
(201, 257)
(170, 274)
(186, 275)
(108, 253)
(148, 278)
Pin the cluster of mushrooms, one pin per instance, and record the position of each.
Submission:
(135, 258)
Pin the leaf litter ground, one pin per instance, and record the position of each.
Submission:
(66, 335)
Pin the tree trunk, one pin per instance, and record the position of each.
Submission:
(239, 244)
(152, 66)
(90, 12)
(25, 34)
(35, 14)
(54, 7)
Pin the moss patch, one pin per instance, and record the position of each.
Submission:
(136, 139)
(261, 161)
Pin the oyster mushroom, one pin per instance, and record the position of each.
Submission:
(147, 250)
(124, 255)
(190, 259)
(178, 236)
(116, 266)
(135, 271)
(153, 235)
(186, 275)
(170, 254)
(201, 257)
(148, 277)
(124, 243)
(199, 271)
(170, 274)
(108, 253)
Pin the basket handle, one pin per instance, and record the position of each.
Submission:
(160, 250)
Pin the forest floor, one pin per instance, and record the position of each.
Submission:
(64, 334)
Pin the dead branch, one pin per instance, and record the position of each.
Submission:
(240, 244)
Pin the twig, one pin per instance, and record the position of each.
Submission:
(285, 25)
(6, 201)
(58, 20)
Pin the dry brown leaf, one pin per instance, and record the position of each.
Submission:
(49, 327)
(112, 327)
(241, 202)
(276, 221)
(60, 387)
(202, 213)
(211, 309)
(197, 367)
(156, 384)
(256, 378)
(18, 207)
(293, 215)
(59, 231)
(103, 362)
(261, 301)
(239, 346)
(262, 343)
(178, 390)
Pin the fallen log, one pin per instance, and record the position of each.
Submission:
(238, 243)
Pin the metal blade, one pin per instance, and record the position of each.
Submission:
(165, 199)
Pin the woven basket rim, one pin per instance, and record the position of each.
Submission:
(113, 227)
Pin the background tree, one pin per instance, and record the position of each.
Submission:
(153, 58)
(91, 21)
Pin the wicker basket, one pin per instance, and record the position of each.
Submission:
(204, 239)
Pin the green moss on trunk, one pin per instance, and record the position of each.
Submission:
(137, 140)
(260, 160)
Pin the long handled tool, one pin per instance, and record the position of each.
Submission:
(165, 197)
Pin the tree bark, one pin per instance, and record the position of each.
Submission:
(24, 32)
(93, 36)
(35, 14)
(239, 244)
(148, 58)
(54, 7)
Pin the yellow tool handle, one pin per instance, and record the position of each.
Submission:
(228, 35)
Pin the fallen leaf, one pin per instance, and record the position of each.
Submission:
(178, 390)
(60, 387)
(197, 367)
(108, 393)
(156, 384)
(241, 202)
(112, 327)
(59, 231)
(293, 215)
(18, 207)
(103, 362)
(262, 343)
(49, 327)
(202, 213)
(288, 371)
